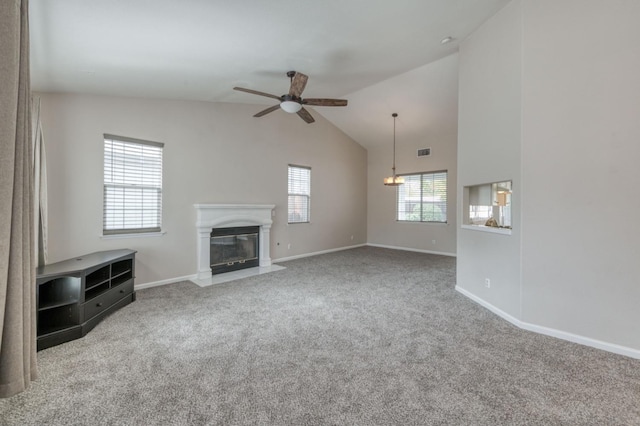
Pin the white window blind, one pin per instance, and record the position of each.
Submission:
(299, 193)
(132, 185)
(423, 198)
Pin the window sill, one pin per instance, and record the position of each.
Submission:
(489, 229)
(416, 222)
(134, 235)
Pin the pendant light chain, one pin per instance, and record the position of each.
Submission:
(394, 180)
(394, 115)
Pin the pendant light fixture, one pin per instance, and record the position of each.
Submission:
(394, 180)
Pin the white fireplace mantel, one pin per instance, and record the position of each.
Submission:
(211, 216)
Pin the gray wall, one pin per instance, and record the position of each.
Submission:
(440, 135)
(489, 151)
(383, 229)
(214, 153)
(549, 97)
(581, 149)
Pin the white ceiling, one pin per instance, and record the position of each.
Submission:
(371, 52)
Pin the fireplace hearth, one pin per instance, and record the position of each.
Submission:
(234, 248)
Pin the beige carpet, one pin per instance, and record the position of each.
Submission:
(362, 337)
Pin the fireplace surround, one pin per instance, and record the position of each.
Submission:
(210, 216)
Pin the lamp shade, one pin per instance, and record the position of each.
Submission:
(290, 106)
(393, 180)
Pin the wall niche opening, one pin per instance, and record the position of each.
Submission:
(488, 206)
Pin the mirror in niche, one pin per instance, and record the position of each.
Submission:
(489, 205)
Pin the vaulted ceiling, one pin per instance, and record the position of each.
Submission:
(373, 52)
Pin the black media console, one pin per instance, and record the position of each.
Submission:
(76, 294)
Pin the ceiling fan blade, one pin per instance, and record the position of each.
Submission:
(267, 111)
(325, 102)
(304, 114)
(255, 92)
(298, 84)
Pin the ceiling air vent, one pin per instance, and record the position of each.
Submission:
(424, 152)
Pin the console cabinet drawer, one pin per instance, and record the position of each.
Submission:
(105, 300)
(123, 290)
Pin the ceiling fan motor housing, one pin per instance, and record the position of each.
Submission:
(291, 98)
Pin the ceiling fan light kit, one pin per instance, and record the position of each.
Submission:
(394, 180)
(293, 102)
(291, 106)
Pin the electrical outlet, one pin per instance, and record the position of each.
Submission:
(433, 242)
(352, 238)
(487, 283)
(289, 246)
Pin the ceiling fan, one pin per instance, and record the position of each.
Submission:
(292, 101)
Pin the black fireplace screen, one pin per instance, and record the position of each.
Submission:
(234, 248)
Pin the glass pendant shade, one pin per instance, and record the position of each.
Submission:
(393, 180)
(290, 106)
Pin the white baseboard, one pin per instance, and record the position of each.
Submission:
(194, 277)
(316, 253)
(164, 282)
(284, 259)
(559, 334)
(412, 249)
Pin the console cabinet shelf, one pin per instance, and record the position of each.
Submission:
(76, 294)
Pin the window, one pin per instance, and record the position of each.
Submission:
(132, 186)
(423, 198)
(299, 193)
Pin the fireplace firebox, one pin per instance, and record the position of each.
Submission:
(234, 248)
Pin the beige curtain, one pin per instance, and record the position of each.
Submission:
(17, 239)
(40, 185)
